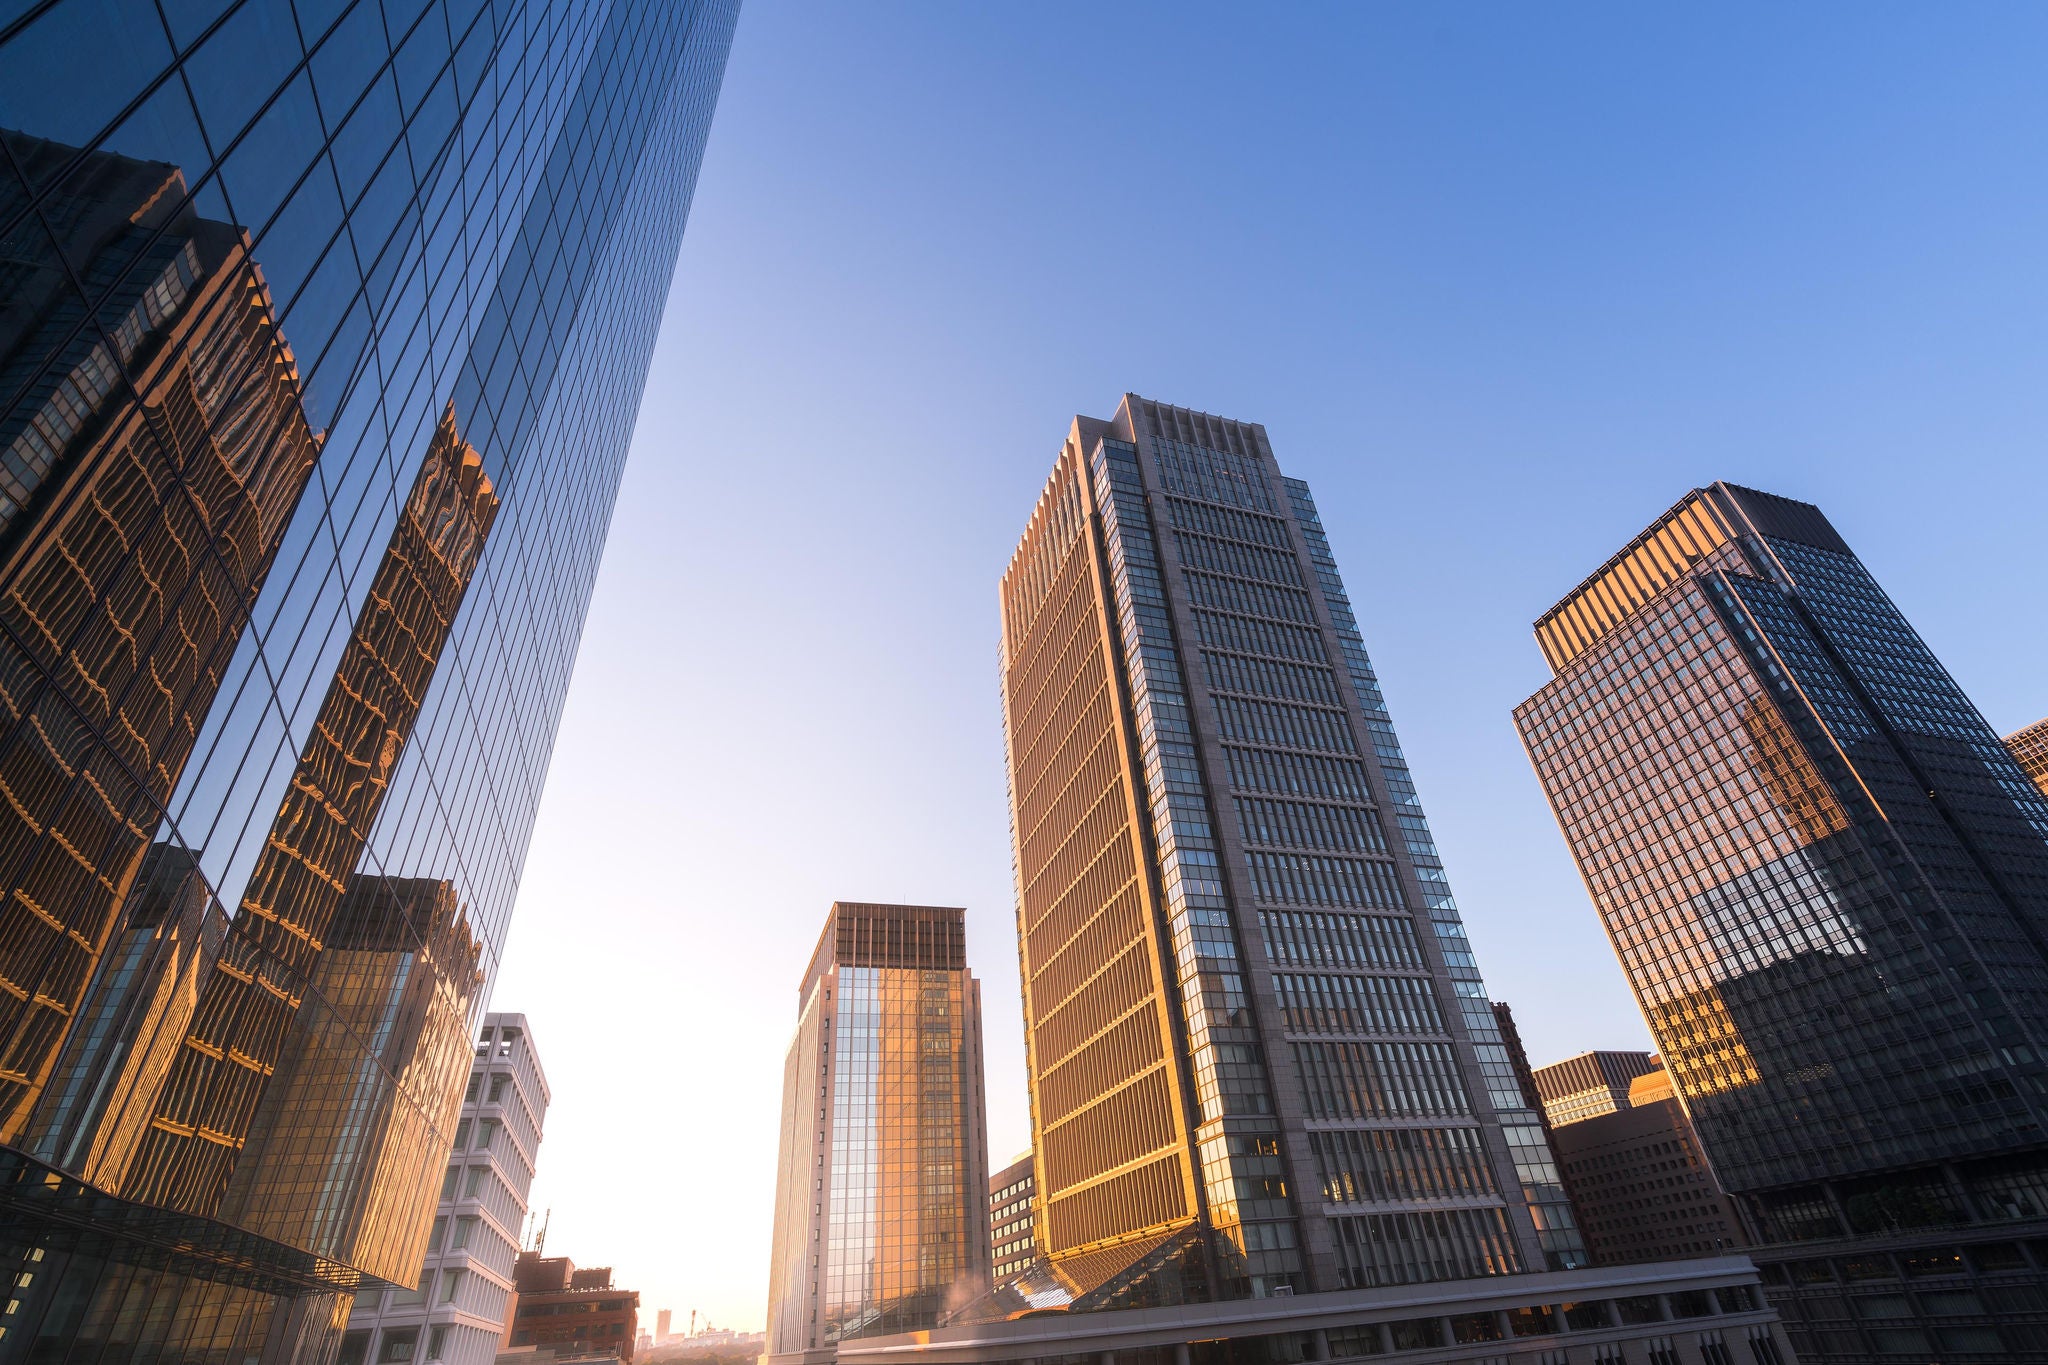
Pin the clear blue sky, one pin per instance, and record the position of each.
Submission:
(1502, 282)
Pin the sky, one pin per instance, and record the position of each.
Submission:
(1502, 283)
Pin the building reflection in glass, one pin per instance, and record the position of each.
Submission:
(147, 468)
(275, 948)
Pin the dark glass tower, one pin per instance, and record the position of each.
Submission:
(1827, 881)
(1262, 1059)
(323, 325)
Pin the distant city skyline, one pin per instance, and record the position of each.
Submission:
(1496, 284)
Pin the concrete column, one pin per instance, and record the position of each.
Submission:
(1321, 1344)
(1181, 1354)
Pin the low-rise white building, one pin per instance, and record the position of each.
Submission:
(458, 1312)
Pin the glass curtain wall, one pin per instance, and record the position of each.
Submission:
(323, 325)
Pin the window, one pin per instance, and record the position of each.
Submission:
(465, 1228)
(1639, 1310)
(437, 1340)
(451, 1284)
(1869, 1268)
(1933, 1261)
(462, 1135)
(1996, 1256)
(1467, 1328)
(448, 1182)
(1588, 1315)
(1691, 1303)
(1416, 1334)
(1364, 1340)
(498, 1084)
(411, 1298)
(475, 1181)
(440, 1231)
(1897, 1341)
(1736, 1298)
(487, 1133)
(469, 1095)
(398, 1345)
(1531, 1322)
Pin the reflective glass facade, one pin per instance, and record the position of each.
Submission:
(881, 1213)
(1827, 881)
(1261, 1055)
(322, 332)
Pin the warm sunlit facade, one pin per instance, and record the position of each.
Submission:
(1589, 1084)
(1013, 1217)
(2029, 748)
(881, 1193)
(322, 332)
(1827, 882)
(1261, 1056)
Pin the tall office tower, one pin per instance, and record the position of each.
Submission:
(457, 1310)
(1641, 1182)
(322, 331)
(2029, 748)
(1827, 881)
(881, 1220)
(661, 1326)
(1012, 1217)
(1589, 1084)
(1261, 1056)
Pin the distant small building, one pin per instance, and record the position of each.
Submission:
(1590, 1084)
(574, 1312)
(1641, 1182)
(1012, 1198)
(2030, 748)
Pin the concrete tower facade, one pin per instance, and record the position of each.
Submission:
(456, 1312)
(1261, 1056)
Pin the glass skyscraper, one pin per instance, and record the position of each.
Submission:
(881, 1195)
(323, 325)
(1827, 881)
(1262, 1059)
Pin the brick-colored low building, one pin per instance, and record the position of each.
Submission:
(572, 1311)
(1643, 1188)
